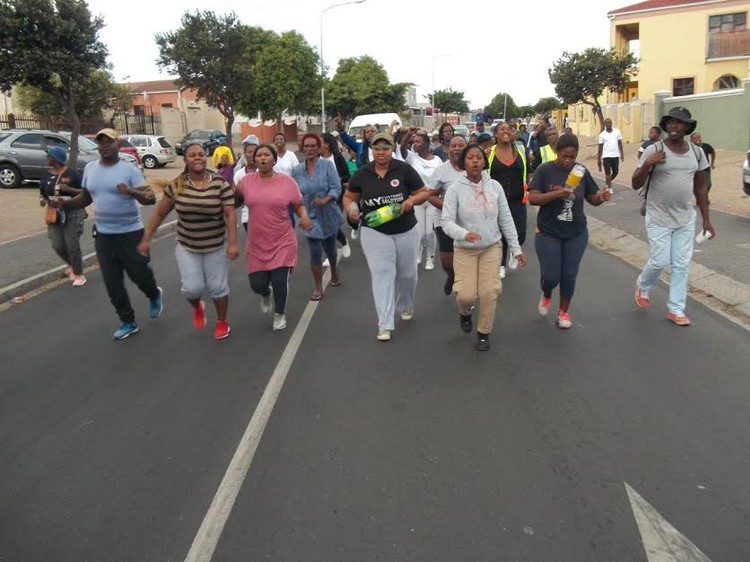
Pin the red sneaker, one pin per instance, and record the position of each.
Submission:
(679, 319)
(564, 321)
(641, 297)
(199, 316)
(544, 304)
(222, 330)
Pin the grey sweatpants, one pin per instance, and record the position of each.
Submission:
(392, 260)
(66, 238)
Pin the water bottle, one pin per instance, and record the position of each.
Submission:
(383, 215)
(702, 236)
(574, 177)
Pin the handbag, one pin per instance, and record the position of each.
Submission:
(51, 214)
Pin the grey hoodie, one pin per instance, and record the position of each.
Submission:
(482, 209)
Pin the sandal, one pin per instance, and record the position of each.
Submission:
(316, 296)
(336, 282)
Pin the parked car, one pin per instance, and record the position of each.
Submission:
(128, 148)
(746, 174)
(154, 150)
(209, 139)
(462, 130)
(23, 154)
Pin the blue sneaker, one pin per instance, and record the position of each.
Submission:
(125, 329)
(156, 305)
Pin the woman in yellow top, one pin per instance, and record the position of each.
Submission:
(221, 150)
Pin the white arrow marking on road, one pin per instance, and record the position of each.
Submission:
(662, 542)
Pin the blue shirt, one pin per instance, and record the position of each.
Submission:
(328, 218)
(114, 212)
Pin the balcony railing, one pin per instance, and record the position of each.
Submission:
(729, 44)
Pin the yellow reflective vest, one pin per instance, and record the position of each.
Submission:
(548, 153)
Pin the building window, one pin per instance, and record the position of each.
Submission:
(727, 82)
(139, 110)
(727, 22)
(683, 86)
(166, 106)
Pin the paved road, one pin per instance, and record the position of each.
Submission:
(419, 449)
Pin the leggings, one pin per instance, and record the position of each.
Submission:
(518, 212)
(559, 260)
(278, 279)
(341, 237)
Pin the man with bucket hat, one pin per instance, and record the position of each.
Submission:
(673, 172)
(114, 187)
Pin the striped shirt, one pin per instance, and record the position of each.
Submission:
(200, 216)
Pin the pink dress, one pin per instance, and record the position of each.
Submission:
(271, 242)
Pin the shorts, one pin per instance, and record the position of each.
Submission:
(611, 166)
(445, 242)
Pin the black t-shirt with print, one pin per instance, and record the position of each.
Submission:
(562, 218)
(399, 182)
(69, 178)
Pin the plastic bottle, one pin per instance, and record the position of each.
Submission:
(702, 237)
(574, 177)
(383, 215)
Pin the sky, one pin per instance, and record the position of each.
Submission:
(497, 46)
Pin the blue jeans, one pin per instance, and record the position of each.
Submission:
(669, 247)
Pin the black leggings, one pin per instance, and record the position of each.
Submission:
(278, 279)
(341, 237)
(559, 260)
(518, 212)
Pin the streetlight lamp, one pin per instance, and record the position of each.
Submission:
(322, 65)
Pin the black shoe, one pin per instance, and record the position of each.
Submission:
(466, 323)
(483, 342)
(448, 287)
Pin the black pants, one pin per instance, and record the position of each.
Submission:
(278, 279)
(518, 211)
(117, 255)
(559, 261)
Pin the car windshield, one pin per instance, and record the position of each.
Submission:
(125, 142)
(199, 135)
(86, 144)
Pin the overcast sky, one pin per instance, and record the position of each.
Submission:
(501, 45)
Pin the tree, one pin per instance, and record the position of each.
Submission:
(449, 101)
(93, 95)
(361, 85)
(286, 76)
(545, 105)
(525, 110)
(215, 56)
(583, 77)
(502, 106)
(50, 45)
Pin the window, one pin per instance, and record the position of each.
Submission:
(727, 22)
(727, 82)
(32, 140)
(139, 110)
(683, 86)
(54, 141)
(166, 106)
(138, 142)
(164, 142)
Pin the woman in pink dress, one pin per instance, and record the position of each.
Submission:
(271, 248)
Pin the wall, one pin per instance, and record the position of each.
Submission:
(673, 44)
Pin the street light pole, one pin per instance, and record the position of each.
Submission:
(322, 64)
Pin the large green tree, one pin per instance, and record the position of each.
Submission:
(215, 55)
(502, 106)
(50, 45)
(287, 77)
(449, 101)
(94, 94)
(583, 77)
(361, 85)
(545, 105)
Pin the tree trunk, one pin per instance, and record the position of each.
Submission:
(230, 122)
(600, 115)
(75, 126)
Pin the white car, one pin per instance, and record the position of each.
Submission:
(154, 150)
(746, 174)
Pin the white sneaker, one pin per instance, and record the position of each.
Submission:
(419, 258)
(355, 233)
(502, 272)
(346, 251)
(265, 303)
(326, 263)
(79, 281)
(429, 264)
(384, 335)
(407, 314)
(279, 321)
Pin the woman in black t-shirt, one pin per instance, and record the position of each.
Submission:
(391, 247)
(562, 234)
(65, 234)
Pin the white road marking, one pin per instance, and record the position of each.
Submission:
(208, 535)
(661, 541)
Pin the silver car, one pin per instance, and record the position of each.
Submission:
(746, 175)
(154, 150)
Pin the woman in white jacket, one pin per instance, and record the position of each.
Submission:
(477, 217)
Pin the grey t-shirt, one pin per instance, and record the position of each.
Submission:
(441, 178)
(670, 201)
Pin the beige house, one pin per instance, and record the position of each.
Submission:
(686, 47)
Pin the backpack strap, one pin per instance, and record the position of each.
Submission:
(648, 182)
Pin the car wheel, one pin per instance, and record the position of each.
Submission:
(10, 176)
(150, 162)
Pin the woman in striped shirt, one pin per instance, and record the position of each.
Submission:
(206, 235)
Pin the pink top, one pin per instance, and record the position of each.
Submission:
(271, 242)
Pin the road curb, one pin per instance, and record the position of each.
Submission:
(29, 284)
(726, 296)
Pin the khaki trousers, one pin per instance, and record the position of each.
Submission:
(478, 278)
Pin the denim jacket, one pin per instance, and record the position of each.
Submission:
(328, 218)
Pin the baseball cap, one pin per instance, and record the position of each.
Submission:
(109, 133)
(382, 137)
(250, 139)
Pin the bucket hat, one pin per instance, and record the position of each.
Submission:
(58, 153)
(681, 114)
